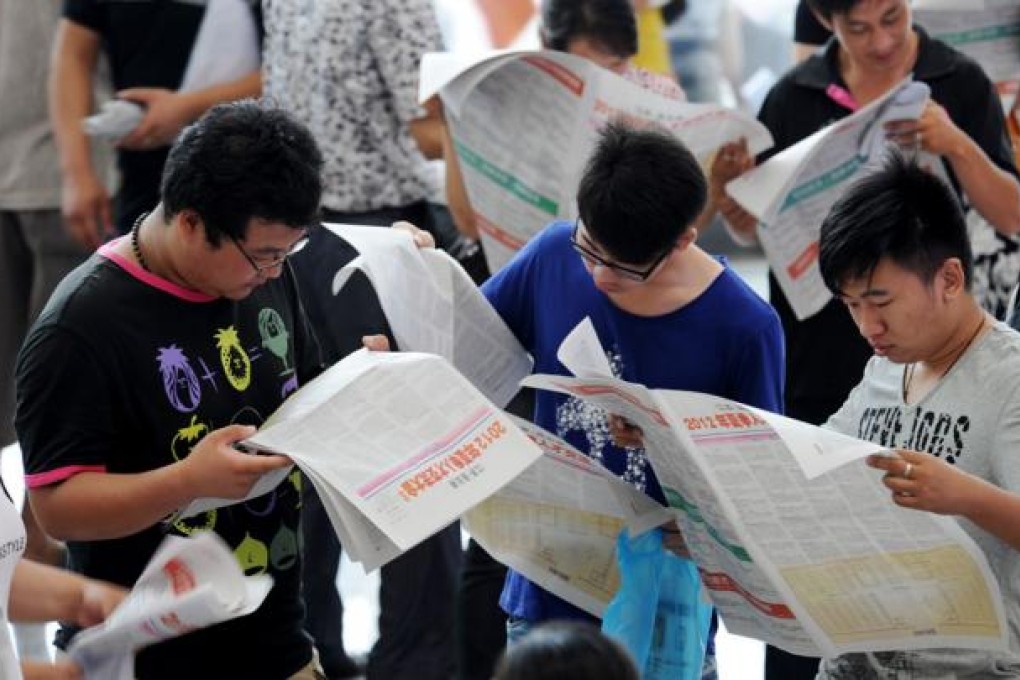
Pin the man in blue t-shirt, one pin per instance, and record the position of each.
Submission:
(668, 314)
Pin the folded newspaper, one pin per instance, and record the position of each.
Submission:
(397, 444)
(524, 123)
(189, 583)
(557, 523)
(433, 306)
(795, 538)
(792, 192)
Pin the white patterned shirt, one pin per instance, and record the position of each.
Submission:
(349, 70)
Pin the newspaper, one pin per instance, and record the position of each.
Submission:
(557, 523)
(792, 192)
(524, 123)
(433, 306)
(796, 539)
(189, 583)
(987, 31)
(398, 445)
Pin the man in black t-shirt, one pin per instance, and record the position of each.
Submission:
(148, 44)
(161, 352)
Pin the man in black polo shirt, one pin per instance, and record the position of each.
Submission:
(875, 46)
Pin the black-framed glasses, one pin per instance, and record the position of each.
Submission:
(273, 262)
(623, 271)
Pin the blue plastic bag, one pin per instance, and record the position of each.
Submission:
(658, 614)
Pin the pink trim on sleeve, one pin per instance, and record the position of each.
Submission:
(108, 251)
(59, 475)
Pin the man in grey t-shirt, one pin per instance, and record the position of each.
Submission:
(943, 389)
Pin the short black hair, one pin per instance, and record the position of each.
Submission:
(640, 191)
(610, 24)
(900, 212)
(566, 650)
(828, 8)
(240, 161)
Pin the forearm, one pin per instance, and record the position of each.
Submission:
(456, 192)
(96, 506)
(43, 593)
(996, 510)
(993, 192)
(200, 101)
(427, 134)
(70, 95)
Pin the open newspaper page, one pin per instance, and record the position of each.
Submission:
(557, 523)
(189, 583)
(825, 565)
(792, 192)
(987, 31)
(403, 439)
(523, 124)
(434, 307)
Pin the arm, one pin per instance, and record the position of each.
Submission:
(85, 201)
(457, 199)
(759, 367)
(992, 191)
(731, 161)
(43, 593)
(936, 486)
(93, 506)
(428, 130)
(168, 111)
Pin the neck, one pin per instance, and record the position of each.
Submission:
(684, 277)
(962, 338)
(150, 238)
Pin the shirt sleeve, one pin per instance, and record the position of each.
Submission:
(1005, 464)
(512, 292)
(760, 371)
(980, 116)
(65, 415)
(399, 35)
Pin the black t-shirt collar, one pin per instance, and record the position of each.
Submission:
(934, 60)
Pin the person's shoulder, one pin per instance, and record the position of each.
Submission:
(1001, 350)
(553, 240)
(938, 60)
(737, 310)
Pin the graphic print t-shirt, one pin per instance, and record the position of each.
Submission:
(124, 373)
(971, 419)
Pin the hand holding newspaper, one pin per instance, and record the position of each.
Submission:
(795, 538)
(398, 445)
(524, 123)
(792, 192)
(189, 583)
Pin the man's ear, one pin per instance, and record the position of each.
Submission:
(953, 278)
(687, 238)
